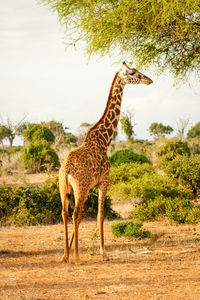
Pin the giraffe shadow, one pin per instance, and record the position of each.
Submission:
(12, 253)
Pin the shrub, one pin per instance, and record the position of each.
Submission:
(39, 132)
(127, 172)
(32, 205)
(129, 229)
(149, 186)
(187, 170)
(177, 209)
(149, 210)
(127, 156)
(170, 150)
(39, 156)
(91, 206)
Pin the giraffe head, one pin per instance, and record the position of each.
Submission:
(133, 76)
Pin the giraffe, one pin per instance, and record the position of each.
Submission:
(88, 166)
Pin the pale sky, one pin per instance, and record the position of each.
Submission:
(42, 79)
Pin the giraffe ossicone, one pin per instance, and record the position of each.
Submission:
(88, 166)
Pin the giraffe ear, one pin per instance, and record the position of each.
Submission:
(124, 64)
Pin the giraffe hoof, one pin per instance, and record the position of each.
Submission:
(105, 257)
(65, 259)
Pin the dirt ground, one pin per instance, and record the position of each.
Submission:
(164, 266)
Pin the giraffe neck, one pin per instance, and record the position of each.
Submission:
(102, 132)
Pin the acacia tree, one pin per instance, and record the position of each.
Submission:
(158, 129)
(127, 126)
(58, 130)
(161, 33)
(11, 129)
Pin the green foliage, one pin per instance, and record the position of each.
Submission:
(127, 127)
(127, 156)
(194, 145)
(127, 172)
(70, 138)
(56, 127)
(38, 133)
(158, 194)
(148, 186)
(38, 156)
(170, 149)
(29, 205)
(4, 133)
(11, 150)
(163, 33)
(158, 129)
(91, 206)
(149, 210)
(187, 170)
(32, 204)
(129, 229)
(194, 131)
(180, 210)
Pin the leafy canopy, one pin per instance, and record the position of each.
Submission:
(163, 33)
(194, 131)
(158, 129)
(39, 132)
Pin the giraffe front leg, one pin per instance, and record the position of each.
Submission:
(102, 195)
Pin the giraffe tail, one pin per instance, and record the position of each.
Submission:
(65, 187)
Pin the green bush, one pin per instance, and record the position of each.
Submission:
(29, 205)
(127, 172)
(32, 204)
(129, 229)
(187, 171)
(148, 186)
(176, 209)
(170, 149)
(39, 132)
(127, 156)
(91, 206)
(38, 156)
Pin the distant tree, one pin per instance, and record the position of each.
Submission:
(70, 138)
(194, 131)
(11, 128)
(4, 133)
(22, 128)
(38, 154)
(158, 129)
(58, 130)
(163, 33)
(127, 156)
(82, 132)
(127, 125)
(182, 124)
(38, 133)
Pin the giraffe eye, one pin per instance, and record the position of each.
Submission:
(132, 73)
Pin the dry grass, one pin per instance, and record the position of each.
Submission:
(22, 178)
(166, 266)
